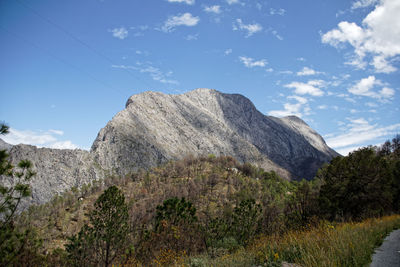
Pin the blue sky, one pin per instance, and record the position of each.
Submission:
(67, 67)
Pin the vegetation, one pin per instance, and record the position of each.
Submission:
(16, 245)
(215, 211)
(328, 244)
(105, 239)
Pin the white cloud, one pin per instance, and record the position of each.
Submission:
(192, 37)
(378, 37)
(63, 145)
(38, 138)
(386, 92)
(231, 2)
(249, 28)
(276, 34)
(311, 87)
(120, 33)
(250, 62)
(186, 19)
(300, 99)
(364, 3)
(358, 132)
(228, 51)
(286, 72)
(189, 2)
(57, 132)
(365, 87)
(155, 73)
(306, 71)
(213, 9)
(279, 11)
(139, 30)
(298, 109)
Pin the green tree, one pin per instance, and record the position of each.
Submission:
(175, 211)
(356, 186)
(302, 203)
(101, 242)
(245, 220)
(14, 243)
(175, 229)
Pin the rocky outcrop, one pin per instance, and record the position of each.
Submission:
(57, 170)
(155, 128)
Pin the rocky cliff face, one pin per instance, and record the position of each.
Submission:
(155, 128)
(57, 170)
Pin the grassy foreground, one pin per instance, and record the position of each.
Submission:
(345, 244)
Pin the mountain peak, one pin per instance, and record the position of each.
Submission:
(155, 128)
(161, 127)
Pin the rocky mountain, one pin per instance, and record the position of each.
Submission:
(57, 170)
(155, 128)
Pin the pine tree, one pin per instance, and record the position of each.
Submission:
(12, 241)
(106, 237)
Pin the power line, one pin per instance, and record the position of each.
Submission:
(65, 31)
(60, 59)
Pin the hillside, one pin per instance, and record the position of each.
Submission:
(155, 128)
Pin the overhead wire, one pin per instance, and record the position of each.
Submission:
(80, 41)
(51, 54)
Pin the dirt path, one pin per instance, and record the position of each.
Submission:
(388, 254)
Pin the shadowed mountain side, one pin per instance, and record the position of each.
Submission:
(156, 127)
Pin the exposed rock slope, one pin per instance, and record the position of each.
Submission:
(57, 170)
(155, 128)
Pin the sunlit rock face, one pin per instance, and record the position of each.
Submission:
(155, 128)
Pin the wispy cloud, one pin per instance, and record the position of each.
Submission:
(155, 73)
(251, 63)
(277, 35)
(357, 132)
(311, 87)
(120, 33)
(228, 51)
(250, 29)
(306, 71)
(279, 11)
(299, 108)
(189, 2)
(139, 30)
(363, 4)
(216, 9)
(232, 2)
(192, 37)
(186, 19)
(48, 138)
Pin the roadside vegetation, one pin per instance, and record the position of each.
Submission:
(210, 211)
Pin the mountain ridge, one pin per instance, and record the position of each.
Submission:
(155, 128)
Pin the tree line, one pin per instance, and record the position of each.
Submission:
(212, 205)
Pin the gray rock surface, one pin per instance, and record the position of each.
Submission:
(155, 128)
(57, 170)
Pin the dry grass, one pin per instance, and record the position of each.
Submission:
(345, 244)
